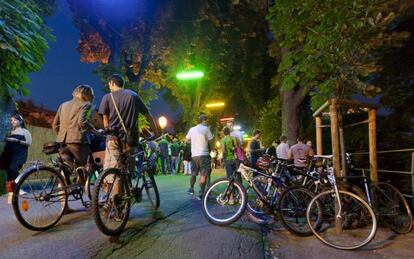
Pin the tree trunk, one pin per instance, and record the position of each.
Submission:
(290, 116)
(7, 108)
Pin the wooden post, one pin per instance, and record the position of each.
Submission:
(372, 145)
(342, 145)
(335, 137)
(319, 148)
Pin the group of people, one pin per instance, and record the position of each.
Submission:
(280, 149)
(170, 156)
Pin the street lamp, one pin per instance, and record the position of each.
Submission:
(162, 121)
(190, 75)
(236, 127)
(215, 105)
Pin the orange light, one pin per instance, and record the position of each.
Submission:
(227, 119)
(25, 205)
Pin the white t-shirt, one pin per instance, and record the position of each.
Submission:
(282, 151)
(199, 136)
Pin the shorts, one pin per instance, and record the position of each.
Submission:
(112, 154)
(201, 164)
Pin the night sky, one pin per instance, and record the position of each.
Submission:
(63, 71)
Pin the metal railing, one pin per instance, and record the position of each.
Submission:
(411, 196)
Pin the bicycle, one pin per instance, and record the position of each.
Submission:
(41, 195)
(224, 201)
(117, 190)
(347, 221)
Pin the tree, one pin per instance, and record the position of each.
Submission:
(156, 40)
(23, 44)
(329, 49)
(23, 41)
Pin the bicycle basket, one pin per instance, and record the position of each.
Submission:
(51, 148)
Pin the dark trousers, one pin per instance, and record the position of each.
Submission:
(75, 154)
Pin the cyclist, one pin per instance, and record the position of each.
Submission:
(121, 107)
(72, 124)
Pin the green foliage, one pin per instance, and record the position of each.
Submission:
(23, 42)
(270, 122)
(228, 41)
(333, 46)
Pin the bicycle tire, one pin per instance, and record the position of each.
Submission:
(394, 213)
(220, 200)
(97, 205)
(91, 180)
(21, 209)
(151, 184)
(366, 214)
(291, 210)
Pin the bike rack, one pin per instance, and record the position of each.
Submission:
(411, 172)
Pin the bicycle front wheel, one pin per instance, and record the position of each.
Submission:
(91, 180)
(111, 202)
(151, 191)
(348, 222)
(224, 202)
(392, 208)
(40, 198)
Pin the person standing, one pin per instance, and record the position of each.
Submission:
(300, 152)
(200, 138)
(228, 144)
(255, 149)
(271, 151)
(15, 152)
(120, 110)
(175, 153)
(283, 149)
(163, 151)
(187, 159)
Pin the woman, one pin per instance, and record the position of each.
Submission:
(72, 123)
(15, 152)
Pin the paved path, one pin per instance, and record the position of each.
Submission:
(281, 244)
(177, 230)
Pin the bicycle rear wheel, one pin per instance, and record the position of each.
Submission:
(392, 208)
(40, 198)
(224, 202)
(111, 202)
(151, 190)
(355, 227)
(291, 210)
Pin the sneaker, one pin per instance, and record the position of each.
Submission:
(190, 191)
(199, 197)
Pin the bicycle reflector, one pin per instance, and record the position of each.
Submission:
(25, 205)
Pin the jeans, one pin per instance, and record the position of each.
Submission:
(230, 167)
(174, 163)
(165, 162)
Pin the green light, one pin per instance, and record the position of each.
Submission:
(190, 75)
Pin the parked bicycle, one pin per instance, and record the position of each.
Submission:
(347, 220)
(42, 191)
(118, 189)
(224, 201)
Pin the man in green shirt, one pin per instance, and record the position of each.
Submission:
(229, 145)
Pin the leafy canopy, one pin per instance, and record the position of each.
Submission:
(23, 41)
(332, 46)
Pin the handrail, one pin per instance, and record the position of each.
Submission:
(394, 171)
